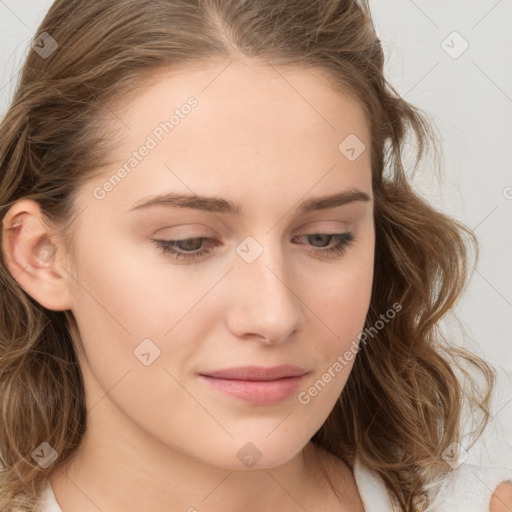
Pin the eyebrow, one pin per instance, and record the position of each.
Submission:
(220, 205)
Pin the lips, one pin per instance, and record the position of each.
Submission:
(257, 385)
(257, 373)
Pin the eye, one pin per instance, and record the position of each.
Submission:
(188, 245)
(190, 249)
(343, 241)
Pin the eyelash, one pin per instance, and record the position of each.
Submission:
(345, 240)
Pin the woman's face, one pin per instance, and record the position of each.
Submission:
(267, 286)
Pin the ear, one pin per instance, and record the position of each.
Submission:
(33, 257)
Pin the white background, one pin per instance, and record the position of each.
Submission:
(468, 97)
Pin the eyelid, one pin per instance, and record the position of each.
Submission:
(326, 225)
(207, 232)
(199, 231)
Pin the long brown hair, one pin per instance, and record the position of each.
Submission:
(401, 406)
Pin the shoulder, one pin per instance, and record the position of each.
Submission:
(481, 477)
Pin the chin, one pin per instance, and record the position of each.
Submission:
(249, 453)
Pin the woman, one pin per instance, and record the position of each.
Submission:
(218, 289)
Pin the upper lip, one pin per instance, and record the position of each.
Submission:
(257, 373)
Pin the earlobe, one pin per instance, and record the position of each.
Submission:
(31, 256)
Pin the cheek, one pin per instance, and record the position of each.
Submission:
(341, 299)
(123, 289)
(122, 299)
(341, 306)
(114, 305)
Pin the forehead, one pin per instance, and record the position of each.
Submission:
(252, 125)
(235, 89)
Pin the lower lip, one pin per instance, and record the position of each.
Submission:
(258, 392)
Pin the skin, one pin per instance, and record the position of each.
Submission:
(501, 500)
(158, 438)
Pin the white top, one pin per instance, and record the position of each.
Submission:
(469, 487)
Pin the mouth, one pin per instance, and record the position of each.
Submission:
(257, 385)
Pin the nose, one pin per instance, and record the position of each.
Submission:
(264, 305)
